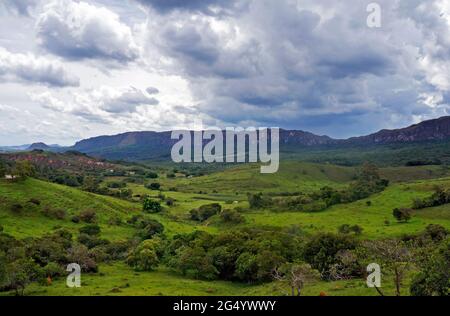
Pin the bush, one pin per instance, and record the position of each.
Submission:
(153, 186)
(34, 201)
(402, 214)
(75, 219)
(435, 232)
(91, 230)
(232, 216)
(80, 254)
(52, 269)
(54, 213)
(151, 175)
(16, 208)
(151, 206)
(347, 229)
(144, 257)
(204, 212)
(91, 241)
(88, 216)
(150, 228)
(116, 185)
(170, 202)
(321, 251)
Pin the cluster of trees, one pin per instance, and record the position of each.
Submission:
(440, 196)
(368, 182)
(39, 259)
(19, 170)
(253, 256)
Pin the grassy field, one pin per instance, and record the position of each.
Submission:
(119, 279)
(229, 188)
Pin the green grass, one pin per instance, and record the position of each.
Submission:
(370, 218)
(31, 222)
(119, 279)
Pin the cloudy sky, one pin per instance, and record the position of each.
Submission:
(76, 69)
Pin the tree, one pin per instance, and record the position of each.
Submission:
(394, 256)
(20, 273)
(205, 211)
(402, 214)
(295, 275)
(144, 257)
(2, 169)
(80, 254)
(151, 206)
(23, 169)
(195, 262)
(90, 184)
(321, 251)
(433, 278)
(150, 228)
(231, 216)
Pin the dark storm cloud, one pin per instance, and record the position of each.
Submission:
(211, 7)
(288, 61)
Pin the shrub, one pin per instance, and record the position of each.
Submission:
(153, 186)
(54, 213)
(16, 208)
(144, 257)
(116, 185)
(436, 232)
(347, 229)
(321, 251)
(151, 206)
(92, 230)
(34, 201)
(151, 175)
(232, 216)
(150, 228)
(91, 241)
(80, 254)
(170, 202)
(195, 263)
(402, 214)
(75, 219)
(52, 269)
(204, 212)
(88, 216)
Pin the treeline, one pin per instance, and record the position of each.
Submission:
(440, 196)
(256, 256)
(367, 182)
(247, 255)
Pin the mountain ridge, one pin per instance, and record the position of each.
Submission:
(144, 145)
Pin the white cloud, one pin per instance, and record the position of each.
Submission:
(78, 30)
(32, 69)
